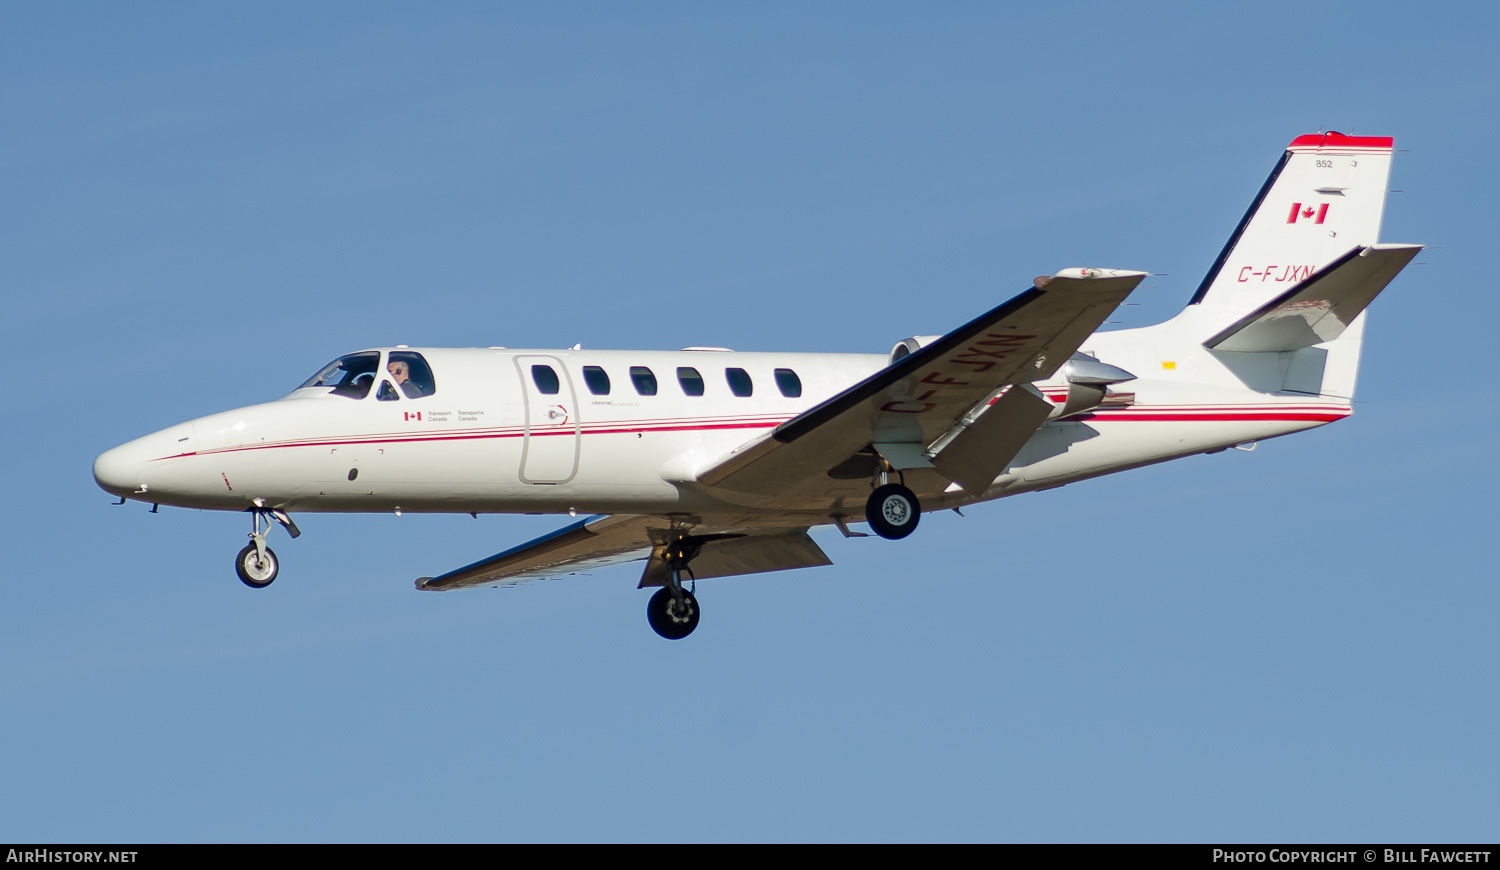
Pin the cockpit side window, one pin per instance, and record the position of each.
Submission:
(411, 373)
(349, 376)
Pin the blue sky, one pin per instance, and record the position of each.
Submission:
(203, 204)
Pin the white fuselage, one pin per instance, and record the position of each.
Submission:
(488, 439)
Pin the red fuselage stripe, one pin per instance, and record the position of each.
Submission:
(1166, 414)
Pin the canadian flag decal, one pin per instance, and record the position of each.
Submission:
(1303, 212)
(411, 415)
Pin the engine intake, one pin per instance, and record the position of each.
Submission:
(908, 346)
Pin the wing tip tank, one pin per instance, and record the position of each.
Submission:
(1093, 273)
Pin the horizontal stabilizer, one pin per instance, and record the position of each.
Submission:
(1319, 308)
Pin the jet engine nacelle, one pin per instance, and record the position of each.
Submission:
(1088, 385)
(908, 346)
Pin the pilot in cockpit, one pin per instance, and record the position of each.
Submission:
(362, 385)
(401, 373)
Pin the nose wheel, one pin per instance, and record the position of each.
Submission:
(257, 567)
(256, 564)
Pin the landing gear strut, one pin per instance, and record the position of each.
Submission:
(256, 564)
(673, 611)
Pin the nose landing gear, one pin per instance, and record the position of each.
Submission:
(256, 564)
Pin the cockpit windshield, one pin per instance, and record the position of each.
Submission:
(353, 375)
(349, 376)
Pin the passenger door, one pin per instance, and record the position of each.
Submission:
(549, 454)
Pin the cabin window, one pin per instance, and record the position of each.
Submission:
(644, 380)
(349, 376)
(597, 380)
(739, 382)
(546, 380)
(788, 382)
(691, 381)
(411, 374)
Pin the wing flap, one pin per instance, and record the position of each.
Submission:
(1319, 308)
(752, 554)
(981, 450)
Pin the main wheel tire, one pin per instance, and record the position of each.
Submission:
(255, 572)
(672, 623)
(893, 511)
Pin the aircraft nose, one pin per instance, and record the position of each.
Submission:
(118, 471)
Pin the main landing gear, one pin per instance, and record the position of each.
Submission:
(892, 510)
(256, 564)
(673, 611)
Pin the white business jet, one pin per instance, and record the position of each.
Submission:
(709, 463)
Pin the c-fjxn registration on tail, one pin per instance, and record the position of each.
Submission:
(707, 463)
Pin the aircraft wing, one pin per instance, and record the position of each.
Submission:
(733, 547)
(901, 411)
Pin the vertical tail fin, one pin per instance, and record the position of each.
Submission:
(1325, 197)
